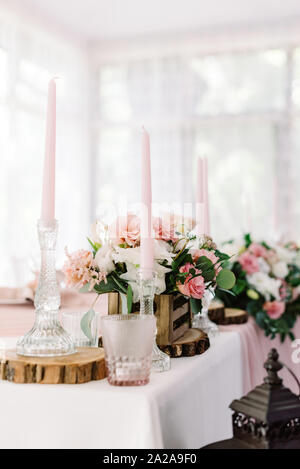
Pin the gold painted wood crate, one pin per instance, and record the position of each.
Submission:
(172, 313)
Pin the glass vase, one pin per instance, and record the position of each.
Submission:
(201, 319)
(160, 360)
(47, 338)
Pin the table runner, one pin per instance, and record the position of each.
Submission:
(255, 348)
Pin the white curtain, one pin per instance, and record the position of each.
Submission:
(237, 109)
(29, 56)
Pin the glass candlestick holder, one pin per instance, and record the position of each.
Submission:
(201, 319)
(160, 360)
(47, 338)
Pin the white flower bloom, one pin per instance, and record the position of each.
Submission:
(131, 276)
(131, 257)
(180, 245)
(232, 250)
(263, 265)
(104, 259)
(162, 251)
(285, 254)
(265, 285)
(280, 269)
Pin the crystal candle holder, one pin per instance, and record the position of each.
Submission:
(201, 319)
(160, 360)
(128, 342)
(47, 338)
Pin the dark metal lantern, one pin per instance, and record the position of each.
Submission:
(266, 418)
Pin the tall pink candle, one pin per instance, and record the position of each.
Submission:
(199, 198)
(48, 194)
(206, 198)
(147, 246)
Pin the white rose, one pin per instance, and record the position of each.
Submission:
(280, 269)
(104, 259)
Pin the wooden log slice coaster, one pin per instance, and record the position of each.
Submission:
(193, 342)
(85, 365)
(216, 311)
(234, 316)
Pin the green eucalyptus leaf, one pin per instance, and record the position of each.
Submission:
(86, 322)
(225, 279)
(209, 275)
(129, 298)
(203, 263)
(196, 305)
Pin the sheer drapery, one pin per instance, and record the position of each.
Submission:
(237, 109)
(28, 58)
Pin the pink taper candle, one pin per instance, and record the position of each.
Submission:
(48, 195)
(206, 198)
(199, 198)
(147, 246)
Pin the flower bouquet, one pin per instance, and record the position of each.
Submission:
(184, 262)
(267, 284)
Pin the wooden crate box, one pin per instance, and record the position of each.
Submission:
(172, 312)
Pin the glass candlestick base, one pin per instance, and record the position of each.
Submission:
(47, 338)
(160, 360)
(201, 320)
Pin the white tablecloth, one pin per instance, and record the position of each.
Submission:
(186, 407)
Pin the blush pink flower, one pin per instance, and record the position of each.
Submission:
(249, 263)
(193, 287)
(274, 309)
(165, 228)
(80, 268)
(126, 230)
(258, 250)
(196, 253)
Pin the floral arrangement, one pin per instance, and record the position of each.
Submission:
(267, 284)
(183, 261)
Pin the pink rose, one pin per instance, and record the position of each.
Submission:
(258, 250)
(196, 253)
(249, 263)
(274, 309)
(193, 286)
(165, 228)
(126, 230)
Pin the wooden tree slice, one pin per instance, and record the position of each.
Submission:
(85, 365)
(232, 316)
(193, 342)
(216, 312)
